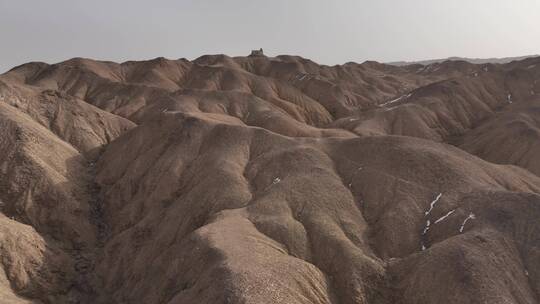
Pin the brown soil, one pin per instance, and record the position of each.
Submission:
(270, 180)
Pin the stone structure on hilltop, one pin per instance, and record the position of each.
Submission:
(258, 52)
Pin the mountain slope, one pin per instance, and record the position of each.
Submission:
(269, 180)
(471, 60)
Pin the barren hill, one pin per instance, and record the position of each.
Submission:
(471, 60)
(270, 180)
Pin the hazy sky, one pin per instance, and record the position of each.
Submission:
(326, 31)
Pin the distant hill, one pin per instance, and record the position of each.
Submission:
(471, 60)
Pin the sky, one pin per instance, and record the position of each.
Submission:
(328, 32)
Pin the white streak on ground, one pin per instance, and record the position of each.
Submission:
(396, 100)
(470, 217)
(444, 217)
(428, 223)
(433, 204)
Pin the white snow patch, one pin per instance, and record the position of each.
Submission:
(276, 180)
(433, 204)
(396, 100)
(470, 217)
(428, 223)
(509, 98)
(444, 217)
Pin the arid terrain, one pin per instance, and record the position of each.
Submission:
(270, 180)
(470, 60)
